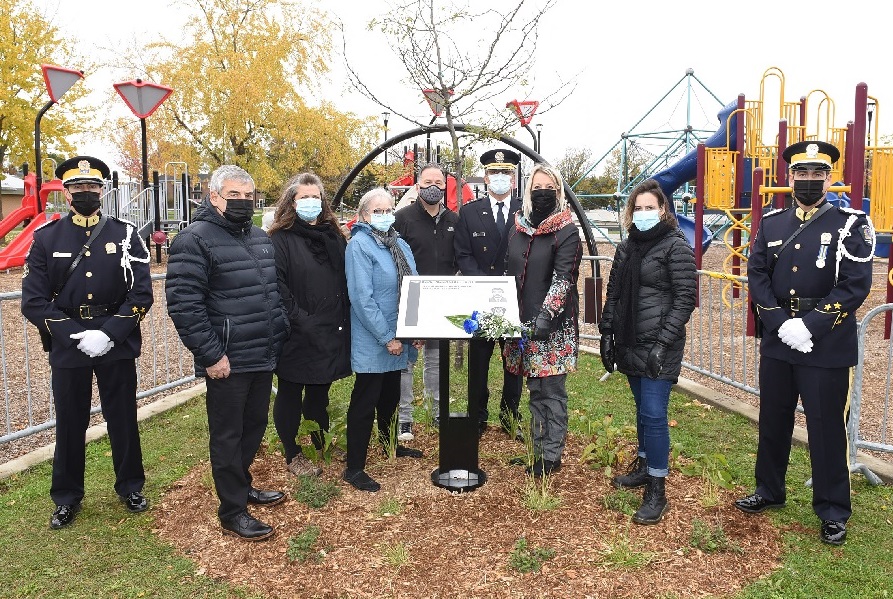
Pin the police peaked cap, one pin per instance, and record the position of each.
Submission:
(82, 169)
(811, 155)
(500, 160)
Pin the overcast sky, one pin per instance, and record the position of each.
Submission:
(625, 55)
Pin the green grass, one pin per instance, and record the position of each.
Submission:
(315, 492)
(301, 547)
(109, 553)
(525, 558)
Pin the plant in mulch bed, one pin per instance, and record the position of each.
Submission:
(621, 553)
(389, 442)
(713, 468)
(538, 494)
(529, 559)
(609, 445)
(396, 554)
(710, 539)
(388, 507)
(315, 492)
(623, 501)
(301, 546)
(330, 439)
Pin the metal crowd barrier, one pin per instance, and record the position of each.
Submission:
(871, 373)
(27, 397)
(717, 347)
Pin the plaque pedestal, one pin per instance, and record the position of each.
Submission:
(459, 437)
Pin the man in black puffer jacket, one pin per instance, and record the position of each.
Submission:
(223, 296)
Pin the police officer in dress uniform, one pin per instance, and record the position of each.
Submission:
(806, 292)
(90, 324)
(481, 241)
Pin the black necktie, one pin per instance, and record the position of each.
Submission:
(500, 217)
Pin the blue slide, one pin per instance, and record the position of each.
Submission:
(672, 178)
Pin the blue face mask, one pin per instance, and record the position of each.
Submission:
(645, 219)
(308, 208)
(499, 184)
(382, 222)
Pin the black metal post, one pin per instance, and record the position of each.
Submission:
(157, 201)
(145, 158)
(184, 196)
(116, 195)
(38, 171)
(386, 115)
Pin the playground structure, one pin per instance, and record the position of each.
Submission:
(738, 174)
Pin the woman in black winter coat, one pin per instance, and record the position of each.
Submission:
(651, 295)
(310, 249)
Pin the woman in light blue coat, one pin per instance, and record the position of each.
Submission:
(376, 262)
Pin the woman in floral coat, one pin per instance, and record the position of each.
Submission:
(544, 253)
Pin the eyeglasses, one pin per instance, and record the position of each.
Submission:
(381, 211)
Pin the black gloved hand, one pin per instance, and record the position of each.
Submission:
(607, 351)
(541, 327)
(655, 361)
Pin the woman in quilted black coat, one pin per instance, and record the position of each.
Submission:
(651, 295)
(310, 251)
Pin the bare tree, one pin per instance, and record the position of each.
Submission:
(471, 59)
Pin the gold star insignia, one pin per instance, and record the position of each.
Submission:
(844, 315)
(135, 309)
(827, 306)
(837, 305)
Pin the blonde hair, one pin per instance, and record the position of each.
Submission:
(552, 173)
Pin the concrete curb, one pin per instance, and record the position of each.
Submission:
(42, 454)
(715, 398)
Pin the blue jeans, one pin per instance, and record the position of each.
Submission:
(652, 400)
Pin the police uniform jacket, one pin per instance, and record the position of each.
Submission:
(110, 289)
(480, 248)
(822, 276)
(223, 295)
(430, 238)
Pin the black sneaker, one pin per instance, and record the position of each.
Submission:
(833, 533)
(408, 452)
(405, 432)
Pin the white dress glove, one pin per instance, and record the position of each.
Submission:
(93, 342)
(795, 334)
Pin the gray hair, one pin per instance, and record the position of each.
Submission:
(228, 172)
(303, 179)
(375, 192)
(526, 205)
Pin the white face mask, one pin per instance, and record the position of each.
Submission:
(499, 184)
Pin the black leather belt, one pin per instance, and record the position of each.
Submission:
(86, 312)
(799, 304)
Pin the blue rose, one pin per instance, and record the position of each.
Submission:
(470, 325)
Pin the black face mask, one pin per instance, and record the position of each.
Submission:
(809, 192)
(85, 203)
(543, 202)
(239, 211)
(431, 195)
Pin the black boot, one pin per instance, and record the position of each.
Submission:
(635, 477)
(654, 502)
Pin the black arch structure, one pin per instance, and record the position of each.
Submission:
(524, 149)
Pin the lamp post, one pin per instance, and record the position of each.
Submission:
(58, 81)
(385, 115)
(539, 138)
